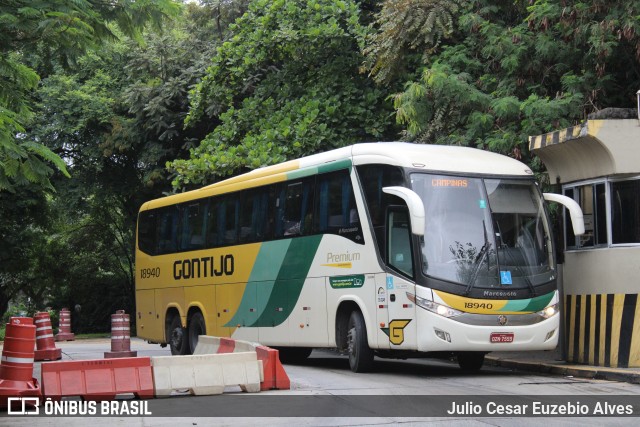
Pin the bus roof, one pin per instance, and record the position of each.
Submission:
(438, 158)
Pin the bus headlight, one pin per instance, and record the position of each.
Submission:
(433, 307)
(549, 311)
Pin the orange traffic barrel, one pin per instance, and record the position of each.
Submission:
(120, 336)
(45, 343)
(16, 365)
(64, 326)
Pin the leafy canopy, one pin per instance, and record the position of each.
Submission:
(286, 84)
(56, 31)
(493, 73)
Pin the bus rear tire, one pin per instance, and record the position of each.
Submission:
(360, 355)
(197, 327)
(470, 360)
(177, 337)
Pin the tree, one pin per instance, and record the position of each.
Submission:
(56, 32)
(499, 72)
(116, 118)
(25, 220)
(286, 84)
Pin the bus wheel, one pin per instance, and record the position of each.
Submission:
(196, 328)
(178, 340)
(360, 355)
(470, 361)
(293, 355)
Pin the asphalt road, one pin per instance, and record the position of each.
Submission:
(325, 392)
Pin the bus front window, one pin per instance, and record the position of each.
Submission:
(484, 233)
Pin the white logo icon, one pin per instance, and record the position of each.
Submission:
(29, 406)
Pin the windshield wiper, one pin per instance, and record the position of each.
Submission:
(482, 254)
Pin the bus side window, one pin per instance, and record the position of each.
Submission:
(373, 178)
(333, 201)
(399, 241)
(147, 231)
(294, 208)
(228, 219)
(254, 215)
(167, 238)
(336, 210)
(193, 231)
(213, 227)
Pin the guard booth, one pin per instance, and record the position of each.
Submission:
(598, 165)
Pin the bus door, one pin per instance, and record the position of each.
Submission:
(401, 324)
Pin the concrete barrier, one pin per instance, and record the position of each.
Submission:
(273, 373)
(214, 345)
(205, 374)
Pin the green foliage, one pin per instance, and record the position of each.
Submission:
(116, 118)
(286, 84)
(59, 31)
(505, 71)
(404, 28)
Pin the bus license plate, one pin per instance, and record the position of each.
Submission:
(499, 337)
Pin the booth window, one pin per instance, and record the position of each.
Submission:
(625, 211)
(618, 200)
(592, 199)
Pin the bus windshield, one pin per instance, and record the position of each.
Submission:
(484, 233)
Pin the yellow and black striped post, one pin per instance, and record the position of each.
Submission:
(603, 329)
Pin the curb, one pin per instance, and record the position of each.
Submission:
(564, 369)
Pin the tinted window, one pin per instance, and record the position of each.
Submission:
(147, 231)
(592, 201)
(167, 227)
(625, 209)
(294, 208)
(192, 236)
(373, 179)
(254, 216)
(336, 210)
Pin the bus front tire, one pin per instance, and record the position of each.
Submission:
(360, 355)
(470, 361)
(177, 337)
(197, 327)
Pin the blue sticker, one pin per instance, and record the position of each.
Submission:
(389, 282)
(482, 204)
(505, 278)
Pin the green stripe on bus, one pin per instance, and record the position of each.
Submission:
(334, 166)
(261, 282)
(315, 170)
(291, 278)
(529, 305)
(540, 303)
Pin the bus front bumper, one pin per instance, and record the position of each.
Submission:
(439, 333)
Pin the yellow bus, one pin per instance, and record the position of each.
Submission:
(387, 249)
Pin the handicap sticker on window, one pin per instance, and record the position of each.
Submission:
(505, 278)
(482, 204)
(389, 282)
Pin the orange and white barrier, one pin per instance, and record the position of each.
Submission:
(45, 342)
(16, 365)
(217, 364)
(120, 336)
(64, 326)
(98, 379)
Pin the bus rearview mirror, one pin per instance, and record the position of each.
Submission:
(577, 219)
(415, 205)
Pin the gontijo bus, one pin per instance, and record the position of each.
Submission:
(388, 249)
